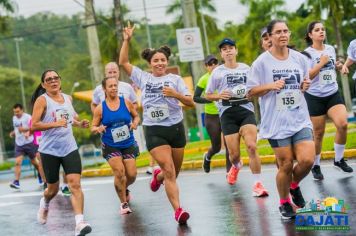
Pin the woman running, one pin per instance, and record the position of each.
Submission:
(115, 118)
(323, 98)
(211, 117)
(53, 114)
(279, 76)
(227, 86)
(162, 117)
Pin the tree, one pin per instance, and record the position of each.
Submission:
(8, 7)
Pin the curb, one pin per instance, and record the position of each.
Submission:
(197, 164)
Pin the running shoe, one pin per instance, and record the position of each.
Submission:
(128, 195)
(155, 184)
(15, 184)
(42, 213)
(149, 170)
(125, 209)
(206, 163)
(297, 197)
(259, 190)
(317, 173)
(342, 165)
(286, 211)
(232, 175)
(82, 229)
(181, 216)
(66, 191)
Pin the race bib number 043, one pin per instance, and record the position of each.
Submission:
(158, 113)
(288, 99)
(120, 134)
(327, 77)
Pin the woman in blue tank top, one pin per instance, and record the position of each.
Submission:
(115, 119)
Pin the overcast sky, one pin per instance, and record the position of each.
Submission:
(227, 10)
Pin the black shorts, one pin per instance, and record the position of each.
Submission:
(158, 135)
(126, 153)
(319, 106)
(29, 149)
(71, 165)
(234, 117)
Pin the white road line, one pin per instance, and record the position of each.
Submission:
(5, 204)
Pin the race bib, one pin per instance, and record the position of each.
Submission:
(64, 114)
(239, 91)
(288, 99)
(327, 77)
(158, 113)
(120, 133)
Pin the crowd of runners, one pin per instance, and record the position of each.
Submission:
(297, 92)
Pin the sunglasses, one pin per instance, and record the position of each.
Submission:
(213, 62)
(52, 79)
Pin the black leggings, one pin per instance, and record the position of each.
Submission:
(212, 124)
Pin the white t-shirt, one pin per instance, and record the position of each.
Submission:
(223, 78)
(283, 113)
(324, 84)
(351, 53)
(24, 122)
(124, 89)
(157, 109)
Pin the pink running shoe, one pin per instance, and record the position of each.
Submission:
(155, 184)
(42, 213)
(232, 175)
(259, 190)
(125, 209)
(181, 216)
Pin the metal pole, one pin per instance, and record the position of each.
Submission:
(17, 40)
(147, 26)
(2, 145)
(204, 28)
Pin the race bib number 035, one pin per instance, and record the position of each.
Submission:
(327, 77)
(288, 99)
(120, 134)
(158, 113)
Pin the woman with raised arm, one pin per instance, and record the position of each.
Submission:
(162, 117)
(115, 118)
(279, 76)
(54, 115)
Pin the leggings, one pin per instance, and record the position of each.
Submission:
(212, 124)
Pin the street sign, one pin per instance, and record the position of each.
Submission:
(190, 46)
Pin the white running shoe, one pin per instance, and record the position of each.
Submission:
(42, 213)
(82, 229)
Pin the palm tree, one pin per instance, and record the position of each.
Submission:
(6, 6)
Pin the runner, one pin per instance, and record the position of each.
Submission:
(278, 77)
(115, 119)
(162, 117)
(125, 89)
(53, 114)
(227, 86)
(211, 117)
(323, 98)
(24, 144)
(351, 59)
(265, 40)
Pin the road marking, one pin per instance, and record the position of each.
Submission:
(32, 194)
(5, 204)
(106, 181)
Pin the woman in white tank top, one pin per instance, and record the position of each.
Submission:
(53, 114)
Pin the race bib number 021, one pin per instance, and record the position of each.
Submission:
(288, 99)
(327, 77)
(120, 134)
(158, 113)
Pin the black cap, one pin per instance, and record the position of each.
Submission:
(263, 31)
(209, 58)
(227, 41)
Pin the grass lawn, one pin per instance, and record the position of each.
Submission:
(195, 150)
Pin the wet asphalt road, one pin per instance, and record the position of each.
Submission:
(216, 208)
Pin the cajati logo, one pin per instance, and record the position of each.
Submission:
(327, 214)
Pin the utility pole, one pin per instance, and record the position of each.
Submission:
(190, 20)
(93, 41)
(204, 28)
(2, 145)
(119, 27)
(147, 26)
(17, 40)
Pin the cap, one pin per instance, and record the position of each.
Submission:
(263, 31)
(209, 58)
(227, 41)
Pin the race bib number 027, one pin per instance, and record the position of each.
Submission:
(288, 99)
